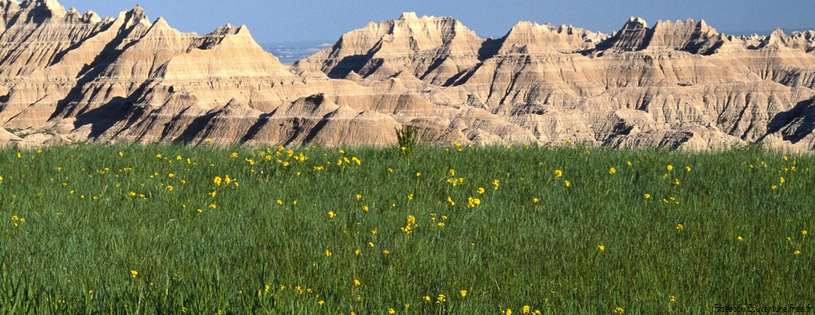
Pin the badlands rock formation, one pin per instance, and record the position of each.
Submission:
(68, 77)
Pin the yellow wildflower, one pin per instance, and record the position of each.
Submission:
(680, 227)
(495, 183)
(463, 293)
(647, 196)
(687, 168)
(365, 208)
(357, 283)
(133, 273)
(280, 202)
(804, 232)
(217, 180)
(619, 310)
(669, 167)
(391, 311)
(612, 170)
(673, 299)
(741, 239)
(568, 183)
(796, 252)
(526, 309)
(321, 302)
(331, 214)
(535, 200)
(601, 247)
(359, 196)
(558, 173)
(327, 253)
(782, 180)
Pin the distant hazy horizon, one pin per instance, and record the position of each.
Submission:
(327, 20)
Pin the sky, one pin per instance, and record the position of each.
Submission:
(326, 20)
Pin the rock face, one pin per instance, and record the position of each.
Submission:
(67, 77)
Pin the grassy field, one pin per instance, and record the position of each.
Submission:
(472, 230)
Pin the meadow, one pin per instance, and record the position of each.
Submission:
(169, 229)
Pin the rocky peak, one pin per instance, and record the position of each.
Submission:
(408, 16)
(547, 37)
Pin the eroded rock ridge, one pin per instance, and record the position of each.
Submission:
(68, 77)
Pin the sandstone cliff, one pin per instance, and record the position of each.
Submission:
(66, 77)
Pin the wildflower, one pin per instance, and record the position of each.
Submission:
(426, 298)
(480, 190)
(535, 200)
(371, 244)
(796, 252)
(452, 172)
(782, 180)
(472, 202)
(327, 253)
(680, 227)
(386, 252)
(612, 170)
(212, 206)
(619, 310)
(331, 214)
(280, 202)
(169, 188)
(495, 183)
(676, 181)
(558, 173)
(507, 312)
(357, 252)
(357, 283)
(359, 196)
(391, 311)
(773, 187)
(526, 309)
(440, 224)
(158, 156)
(410, 197)
(234, 155)
(418, 174)
(212, 193)
(442, 298)
(390, 170)
(463, 293)
(687, 168)
(741, 239)
(568, 183)
(365, 208)
(601, 247)
(629, 163)
(673, 299)
(450, 200)
(804, 232)
(321, 302)
(669, 167)
(647, 196)
(133, 273)
(217, 180)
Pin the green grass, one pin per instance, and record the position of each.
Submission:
(86, 227)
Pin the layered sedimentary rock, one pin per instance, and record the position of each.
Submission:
(66, 77)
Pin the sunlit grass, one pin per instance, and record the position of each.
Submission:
(448, 230)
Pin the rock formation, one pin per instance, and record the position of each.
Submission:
(67, 77)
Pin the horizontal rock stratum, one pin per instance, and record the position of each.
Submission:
(70, 77)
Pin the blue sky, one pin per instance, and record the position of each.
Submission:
(309, 20)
